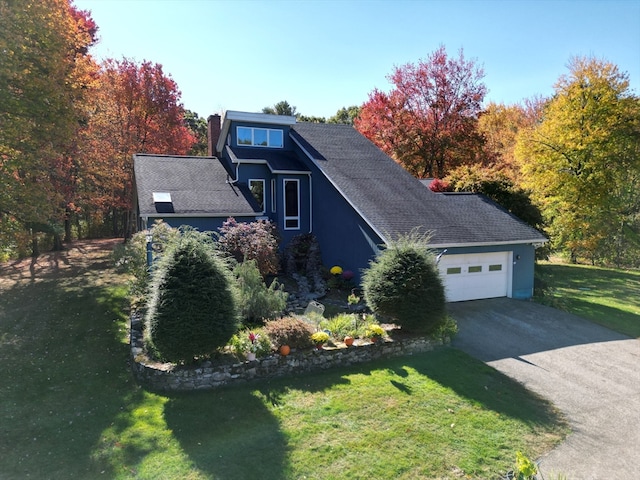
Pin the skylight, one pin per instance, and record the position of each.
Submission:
(161, 197)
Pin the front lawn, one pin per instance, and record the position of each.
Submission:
(609, 297)
(70, 408)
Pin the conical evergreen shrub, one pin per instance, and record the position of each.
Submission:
(193, 308)
(403, 284)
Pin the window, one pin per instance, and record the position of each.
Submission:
(273, 195)
(454, 270)
(257, 190)
(495, 268)
(260, 137)
(475, 269)
(291, 204)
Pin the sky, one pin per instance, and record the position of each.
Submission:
(323, 55)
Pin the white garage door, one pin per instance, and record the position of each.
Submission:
(473, 276)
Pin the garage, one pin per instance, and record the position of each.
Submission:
(473, 276)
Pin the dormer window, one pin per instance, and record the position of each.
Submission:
(260, 137)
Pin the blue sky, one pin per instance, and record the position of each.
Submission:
(324, 55)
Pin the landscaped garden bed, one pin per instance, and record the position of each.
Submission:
(213, 313)
(227, 369)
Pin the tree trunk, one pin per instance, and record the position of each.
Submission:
(35, 249)
(57, 242)
(76, 219)
(67, 227)
(114, 222)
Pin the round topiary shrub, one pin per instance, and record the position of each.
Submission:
(403, 284)
(289, 331)
(193, 308)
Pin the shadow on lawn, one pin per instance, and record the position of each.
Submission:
(469, 378)
(64, 373)
(582, 291)
(230, 433)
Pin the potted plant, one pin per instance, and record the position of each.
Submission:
(320, 338)
(251, 344)
(374, 332)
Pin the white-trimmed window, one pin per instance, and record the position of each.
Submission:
(291, 204)
(259, 137)
(257, 190)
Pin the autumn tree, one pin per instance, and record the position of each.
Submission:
(136, 109)
(499, 126)
(582, 161)
(427, 122)
(44, 76)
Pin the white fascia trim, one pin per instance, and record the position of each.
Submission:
(259, 118)
(377, 232)
(232, 115)
(488, 244)
(202, 215)
(291, 172)
(253, 161)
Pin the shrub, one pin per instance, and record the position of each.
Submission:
(257, 301)
(256, 341)
(374, 331)
(339, 281)
(403, 283)
(342, 325)
(289, 331)
(131, 257)
(193, 308)
(251, 241)
(319, 338)
(347, 325)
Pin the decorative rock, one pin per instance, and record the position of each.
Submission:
(210, 375)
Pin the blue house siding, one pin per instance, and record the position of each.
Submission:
(345, 239)
(350, 196)
(522, 268)
(344, 236)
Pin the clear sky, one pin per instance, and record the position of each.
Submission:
(327, 54)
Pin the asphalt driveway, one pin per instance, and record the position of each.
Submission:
(590, 373)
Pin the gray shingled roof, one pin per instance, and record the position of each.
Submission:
(394, 202)
(198, 186)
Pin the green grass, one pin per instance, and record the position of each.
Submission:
(605, 296)
(70, 408)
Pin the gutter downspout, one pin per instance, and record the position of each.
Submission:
(310, 204)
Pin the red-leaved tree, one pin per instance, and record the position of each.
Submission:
(427, 122)
(136, 109)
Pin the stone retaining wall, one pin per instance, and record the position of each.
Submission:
(209, 375)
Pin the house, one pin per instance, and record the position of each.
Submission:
(331, 181)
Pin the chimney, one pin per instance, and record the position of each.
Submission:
(213, 134)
